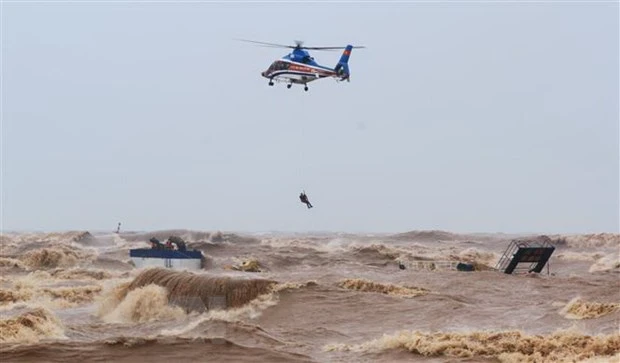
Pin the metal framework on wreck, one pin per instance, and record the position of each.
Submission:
(525, 256)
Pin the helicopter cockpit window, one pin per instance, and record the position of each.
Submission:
(278, 66)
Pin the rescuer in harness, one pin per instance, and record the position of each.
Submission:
(304, 199)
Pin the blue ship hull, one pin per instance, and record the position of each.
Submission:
(147, 257)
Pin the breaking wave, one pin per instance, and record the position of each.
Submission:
(31, 326)
(594, 240)
(430, 236)
(20, 243)
(11, 262)
(13, 296)
(80, 274)
(380, 251)
(579, 256)
(23, 289)
(389, 289)
(199, 291)
(141, 305)
(60, 296)
(511, 346)
(608, 263)
(72, 274)
(579, 309)
(74, 295)
(45, 258)
(37, 237)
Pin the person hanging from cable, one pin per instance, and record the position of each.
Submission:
(304, 199)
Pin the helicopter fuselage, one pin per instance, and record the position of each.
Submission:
(286, 70)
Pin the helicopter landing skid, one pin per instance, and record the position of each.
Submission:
(289, 83)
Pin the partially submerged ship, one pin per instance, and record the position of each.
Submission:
(173, 254)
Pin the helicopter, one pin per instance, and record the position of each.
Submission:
(298, 67)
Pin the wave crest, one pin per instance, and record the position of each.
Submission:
(579, 309)
(607, 263)
(510, 346)
(11, 262)
(427, 236)
(143, 304)
(389, 289)
(200, 291)
(51, 258)
(13, 296)
(80, 274)
(31, 326)
(593, 240)
(69, 296)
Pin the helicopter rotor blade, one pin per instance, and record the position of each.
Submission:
(298, 45)
(323, 48)
(330, 48)
(273, 45)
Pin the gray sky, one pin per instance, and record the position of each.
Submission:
(473, 117)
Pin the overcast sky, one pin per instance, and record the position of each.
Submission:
(468, 117)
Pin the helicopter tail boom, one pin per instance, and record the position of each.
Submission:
(342, 68)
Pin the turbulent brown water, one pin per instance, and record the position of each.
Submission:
(307, 298)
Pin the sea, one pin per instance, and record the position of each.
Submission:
(309, 297)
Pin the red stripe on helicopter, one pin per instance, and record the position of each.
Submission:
(294, 67)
